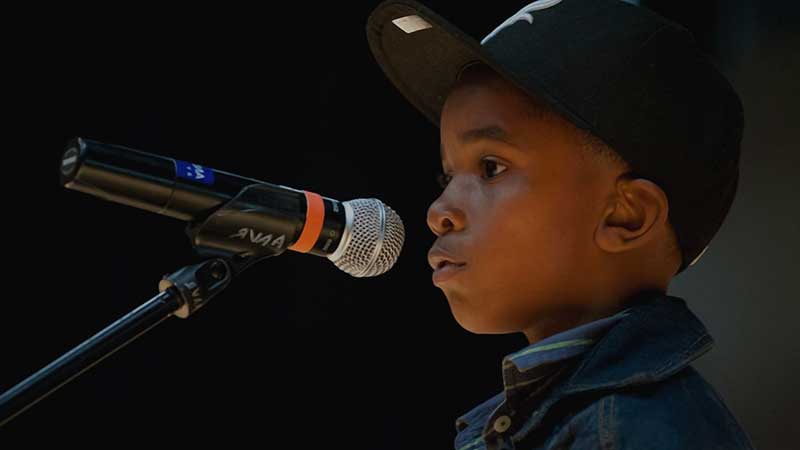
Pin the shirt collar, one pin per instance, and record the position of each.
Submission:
(528, 368)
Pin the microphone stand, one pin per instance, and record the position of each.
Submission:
(182, 293)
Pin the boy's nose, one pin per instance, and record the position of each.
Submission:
(443, 218)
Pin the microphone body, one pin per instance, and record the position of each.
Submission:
(245, 213)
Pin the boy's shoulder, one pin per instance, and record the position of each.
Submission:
(682, 411)
(634, 389)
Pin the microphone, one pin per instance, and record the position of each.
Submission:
(362, 237)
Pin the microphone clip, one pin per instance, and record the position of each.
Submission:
(254, 224)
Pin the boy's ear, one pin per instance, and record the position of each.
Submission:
(633, 215)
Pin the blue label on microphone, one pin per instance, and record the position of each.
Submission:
(195, 172)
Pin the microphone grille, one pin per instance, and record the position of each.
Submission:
(372, 239)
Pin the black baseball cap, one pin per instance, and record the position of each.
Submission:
(634, 79)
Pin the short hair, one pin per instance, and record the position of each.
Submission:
(596, 151)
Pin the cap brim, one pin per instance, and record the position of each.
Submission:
(421, 53)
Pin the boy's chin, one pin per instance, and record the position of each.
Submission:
(479, 325)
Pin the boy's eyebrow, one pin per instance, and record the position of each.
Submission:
(491, 132)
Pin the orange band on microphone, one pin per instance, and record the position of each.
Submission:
(315, 215)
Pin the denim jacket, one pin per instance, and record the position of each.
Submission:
(621, 382)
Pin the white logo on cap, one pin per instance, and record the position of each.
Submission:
(522, 14)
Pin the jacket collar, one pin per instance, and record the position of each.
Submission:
(657, 338)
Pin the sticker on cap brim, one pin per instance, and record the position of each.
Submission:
(412, 24)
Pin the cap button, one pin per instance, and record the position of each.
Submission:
(502, 424)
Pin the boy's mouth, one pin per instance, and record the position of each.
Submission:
(445, 263)
(438, 258)
(446, 270)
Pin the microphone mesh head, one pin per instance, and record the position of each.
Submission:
(373, 241)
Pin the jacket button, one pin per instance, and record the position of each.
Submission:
(502, 423)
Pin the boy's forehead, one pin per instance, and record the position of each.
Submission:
(492, 113)
(485, 106)
(481, 99)
(490, 132)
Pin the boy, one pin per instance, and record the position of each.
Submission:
(590, 154)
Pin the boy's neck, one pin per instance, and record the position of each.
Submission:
(563, 319)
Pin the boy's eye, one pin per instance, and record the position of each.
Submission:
(490, 164)
(443, 179)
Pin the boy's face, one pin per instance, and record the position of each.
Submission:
(521, 209)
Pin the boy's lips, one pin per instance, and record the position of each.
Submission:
(438, 257)
(446, 272)
(445, 265)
